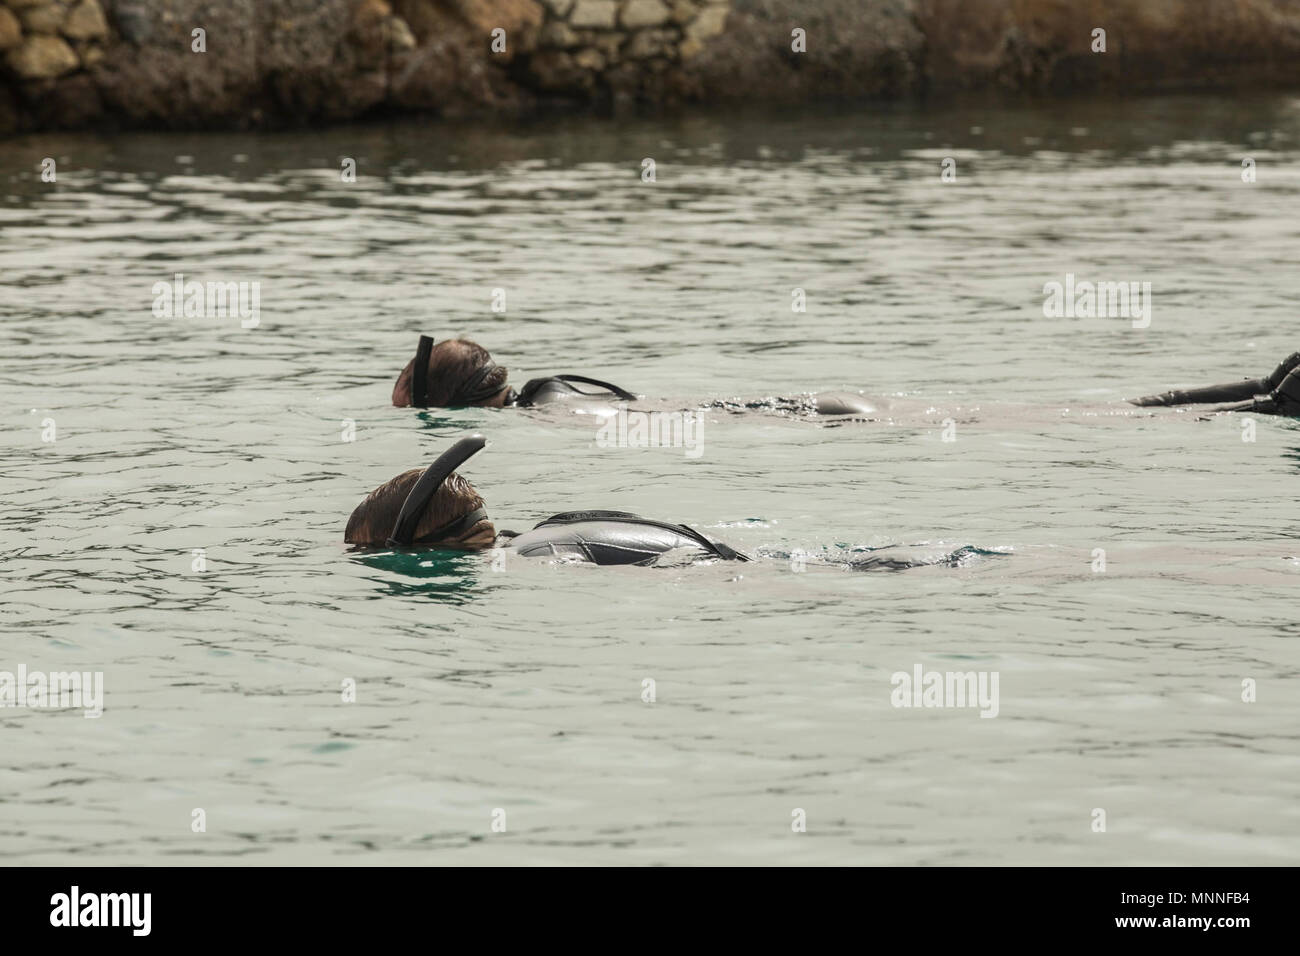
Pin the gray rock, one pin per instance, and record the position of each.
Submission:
(708, 24)
(594, 13)
(90, 54)
(85, 21)
(45, 19)
(398, 35)
(559, 35)
(590, 59)
(645, 13)
(42, 58)
(647, 43)
(684, 11)
(134, 22)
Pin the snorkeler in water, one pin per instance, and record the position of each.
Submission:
(458, 372)
(436, 509)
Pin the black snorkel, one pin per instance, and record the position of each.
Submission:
(427, 486)
(420, 373)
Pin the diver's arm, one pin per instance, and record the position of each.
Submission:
(1283, 400)
(1248, 390)
(1231, 392)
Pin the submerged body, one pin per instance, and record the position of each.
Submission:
(611, 537)
(608, 538)
(437, 509)
(459, 373)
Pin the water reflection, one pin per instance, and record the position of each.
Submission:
(393, 152)
(444, 575)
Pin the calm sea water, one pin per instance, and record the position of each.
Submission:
(522, 691)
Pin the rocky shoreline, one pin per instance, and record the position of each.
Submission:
(196, 64)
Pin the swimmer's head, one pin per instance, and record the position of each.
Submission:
(458, 372)
(373, 520)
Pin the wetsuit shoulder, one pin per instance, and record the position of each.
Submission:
(569, 388)
(614, 537)
(611, 540)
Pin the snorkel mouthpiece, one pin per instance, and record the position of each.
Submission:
(408, 519)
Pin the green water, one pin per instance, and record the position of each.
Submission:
(522, 690)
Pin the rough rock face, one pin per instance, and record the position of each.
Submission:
(1150, 44)
(851, 48)
(623, 50)
(46, 39)
(196, 63)
(256, 62)
(42, 57)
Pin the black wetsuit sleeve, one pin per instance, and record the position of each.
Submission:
(1244, 391)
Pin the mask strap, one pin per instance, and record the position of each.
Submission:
(454, 529)
(473, 390)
